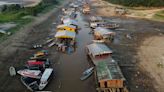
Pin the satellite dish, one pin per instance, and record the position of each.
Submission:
(12, 71)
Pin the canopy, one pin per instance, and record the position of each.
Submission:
(98, 48)
(66, 25)
(103, 31)
(65, 34)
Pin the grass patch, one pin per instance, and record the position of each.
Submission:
(21, 22)
(16, 15)
(159, 16)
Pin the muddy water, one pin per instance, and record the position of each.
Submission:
(70, 66)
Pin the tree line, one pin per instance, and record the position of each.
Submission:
(136, 3)
(29, 10)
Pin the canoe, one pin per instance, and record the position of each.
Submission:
(87, 73)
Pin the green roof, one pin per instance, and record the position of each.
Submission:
(108, 69)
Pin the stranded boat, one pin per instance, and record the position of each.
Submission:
(87, 73)
(103, 35)
(45, 78)
(30, 83)
(34, 84)
(30, 73)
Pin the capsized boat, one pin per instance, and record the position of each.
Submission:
(87, 73)
(30, 73)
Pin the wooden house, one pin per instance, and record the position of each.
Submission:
(103, 34)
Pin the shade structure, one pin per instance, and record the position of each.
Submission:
(65, 34)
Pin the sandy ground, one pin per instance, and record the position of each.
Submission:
(108, 9)
(31, 3)
(151, 54)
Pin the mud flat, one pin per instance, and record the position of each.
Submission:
(139, 62)
(151, 55)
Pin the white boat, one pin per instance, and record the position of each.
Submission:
(87, 73)
(98, 41)
(45, 78)
(30, 73)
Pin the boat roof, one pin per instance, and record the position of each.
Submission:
(66, 25)
(96, 18)
(65, 34)
(103, 31)
(70, 21)
(108, 69)
(98, 48)
(46, 74)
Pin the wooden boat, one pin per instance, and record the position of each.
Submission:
(39, 54)
(87, 73)
(30, 83)
(30, 73)
(109, 25)
(47, 75)
(45, 63)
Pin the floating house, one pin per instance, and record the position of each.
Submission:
(103, 34)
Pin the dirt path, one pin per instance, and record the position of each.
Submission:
(151, 55)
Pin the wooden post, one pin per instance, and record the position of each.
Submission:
(118, 90)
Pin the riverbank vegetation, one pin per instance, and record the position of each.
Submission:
(24, 15)
(159, 15)
(136, 3)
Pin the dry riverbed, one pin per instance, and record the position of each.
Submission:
(130, 53)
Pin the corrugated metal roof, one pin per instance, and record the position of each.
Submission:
(103, 31)
(98, 48)
(65, 34)
(108, 69)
